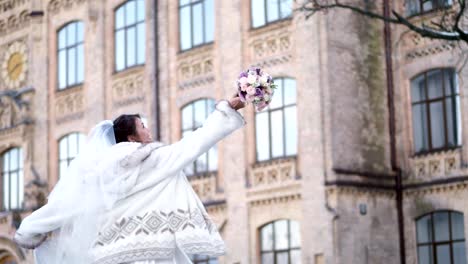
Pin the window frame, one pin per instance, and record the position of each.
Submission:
(204, 42)
(193, 128)
(125, 28)
(453, 96)
(274, 251)
(422, 12)
(265, 15)
(20, 173)
(268, 110)
(66, 48)
(433, 244)
(68, 159)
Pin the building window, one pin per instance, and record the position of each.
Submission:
(267, 11)
(199, 259)
(130, 34)
(13, 181)
(70, 54)
(193, 116)
(441, 238)
(436, 111)
(196, 23)
(414, 7)
(276, 127)
(280, 243)
(69, 147)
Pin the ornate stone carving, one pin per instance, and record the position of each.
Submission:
(206, 187)
(197, 82)
(14, 22)
(15, 108)
(128, 90)
(276, 172)
(272, 48)
(69, 105)
(56, 6)
(195, 69)
(450, 164)
(416, 46)
(420, 169)
(436, 164)
(7, 5)
(429, 50)
(275, 200)
(437, 189)
(359, 192)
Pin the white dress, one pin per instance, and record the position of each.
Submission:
(143, 222)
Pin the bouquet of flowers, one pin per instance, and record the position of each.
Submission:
(257, 87)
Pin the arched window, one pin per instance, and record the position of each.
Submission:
(193, 116)
(129, 34)
(436, 111)
(280, 242)
(12, 179)
(264, 12)
(441, 238)
(276, 126)
(70, 65)
(69, 147)
(196, 23)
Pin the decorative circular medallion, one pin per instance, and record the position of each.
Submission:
(15, 65)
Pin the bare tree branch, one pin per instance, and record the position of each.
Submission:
(439, 30)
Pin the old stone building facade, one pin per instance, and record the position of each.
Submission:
(360, 159)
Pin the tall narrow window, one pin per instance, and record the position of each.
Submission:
(130, 34)
(196, 23)
(414, 7)
(276, 127)
(70, 64)
(69, 147)
(267, 11)
(280, 243)
(193, 116)
(436, 111)
(441, 238)
(12, 179)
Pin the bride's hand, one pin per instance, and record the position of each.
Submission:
(236, 103)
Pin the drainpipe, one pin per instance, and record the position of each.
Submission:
(391, 122)
(156, 75)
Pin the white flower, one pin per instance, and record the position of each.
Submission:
(266, 97)
(251, 90)
(251, 78)
(264, 80)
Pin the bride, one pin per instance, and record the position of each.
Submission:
(125, 199)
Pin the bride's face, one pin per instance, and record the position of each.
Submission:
(143, 134)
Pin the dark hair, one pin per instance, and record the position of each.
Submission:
(124, 126)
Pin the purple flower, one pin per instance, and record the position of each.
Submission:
(258, 92)
(242, 95)
(243, 74)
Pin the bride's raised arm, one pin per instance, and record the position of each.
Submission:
(174, 157)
